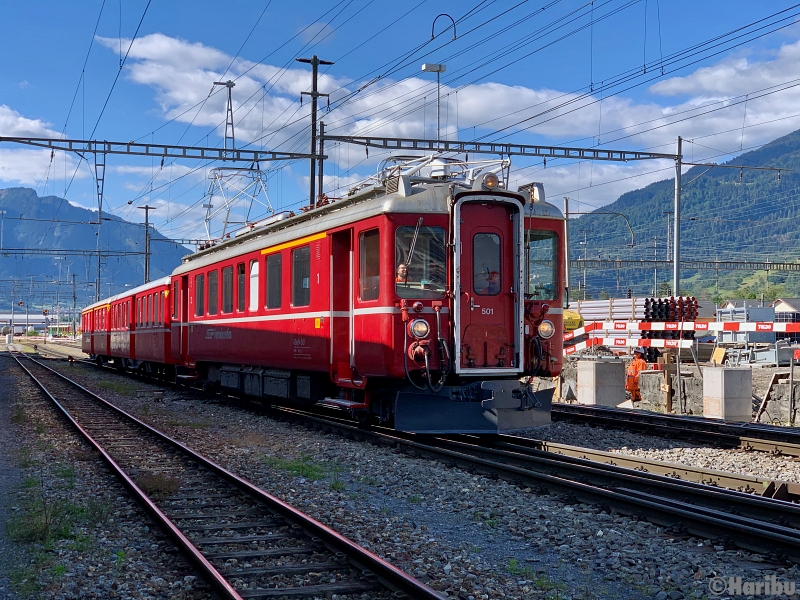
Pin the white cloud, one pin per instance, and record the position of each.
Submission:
(13, 124)
(29, 167)
(24, 84)
(181, 73)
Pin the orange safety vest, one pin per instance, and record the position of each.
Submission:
(632, 380)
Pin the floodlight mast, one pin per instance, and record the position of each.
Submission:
(438, 69)
(228, 115)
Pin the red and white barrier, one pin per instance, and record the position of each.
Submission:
(766, 327)
(627, 343)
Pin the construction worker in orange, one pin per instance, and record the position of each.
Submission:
(632, 380)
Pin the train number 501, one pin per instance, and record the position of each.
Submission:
(487, 311)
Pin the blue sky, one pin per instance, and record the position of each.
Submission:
(555, 63)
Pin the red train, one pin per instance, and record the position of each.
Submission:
(423, 299)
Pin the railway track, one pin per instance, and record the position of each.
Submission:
(245, 542)
(756, 513)
(750, 521)
(746, 436)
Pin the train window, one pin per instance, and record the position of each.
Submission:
(369, 264)
(486, 264)
(420, 265)
(174, 299)
(274, 280)
(138, 311)
(199, 295)
(541, 253)
(240, 287)
(149, 316)
(227, 289)
(213, 291)
(253, 285)
(301, 276)
(157, 306)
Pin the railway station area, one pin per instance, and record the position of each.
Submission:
(371, 300)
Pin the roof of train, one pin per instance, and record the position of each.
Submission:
(137, 290)
(430, 198)
(427, 196)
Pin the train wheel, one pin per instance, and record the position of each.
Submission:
(363, 418)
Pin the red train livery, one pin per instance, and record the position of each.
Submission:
(424, 299)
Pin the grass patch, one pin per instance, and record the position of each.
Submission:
(42, 520)
(120, 560)
(40, 428)
(415, 499)
(97, 511)
(305, 467)
(23, 579)
(81, 543)
(25, 458)
(539, 580)
(18, 415)
(158, 484)
(58, 570)
(121, 388)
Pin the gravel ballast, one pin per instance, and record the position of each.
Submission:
(468, 536)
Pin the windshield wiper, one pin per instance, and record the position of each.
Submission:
(413, 243)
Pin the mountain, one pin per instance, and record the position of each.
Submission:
(726, 214)
(51, 223)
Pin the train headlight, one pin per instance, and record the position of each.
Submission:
(491, 181)
(419, 328)
(546, 329)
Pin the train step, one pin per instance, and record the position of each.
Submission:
(343, 404)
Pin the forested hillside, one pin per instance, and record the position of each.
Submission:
(726, 214)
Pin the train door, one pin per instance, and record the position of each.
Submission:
(342, 358)
(489, 278)
(184, 317)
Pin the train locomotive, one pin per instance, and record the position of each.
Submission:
(427, 299)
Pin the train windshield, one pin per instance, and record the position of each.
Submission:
(541, 250)
(420, 263)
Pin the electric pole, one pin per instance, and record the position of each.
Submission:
(315, 62)
(147, 208)
(676, 244)
(566, 249)
(74, 305)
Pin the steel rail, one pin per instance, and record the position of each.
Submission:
(209, 572)
(782, 490)
(746, 436)
(391, 576)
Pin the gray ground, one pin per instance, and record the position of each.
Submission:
(9, 481)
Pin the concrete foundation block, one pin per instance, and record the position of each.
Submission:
(728, 394)
(650, 389)
(777, 410)
(601, 382)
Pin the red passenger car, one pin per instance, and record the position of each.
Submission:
(132, 329)
(420, 299)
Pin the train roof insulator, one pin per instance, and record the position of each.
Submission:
(534, 190)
